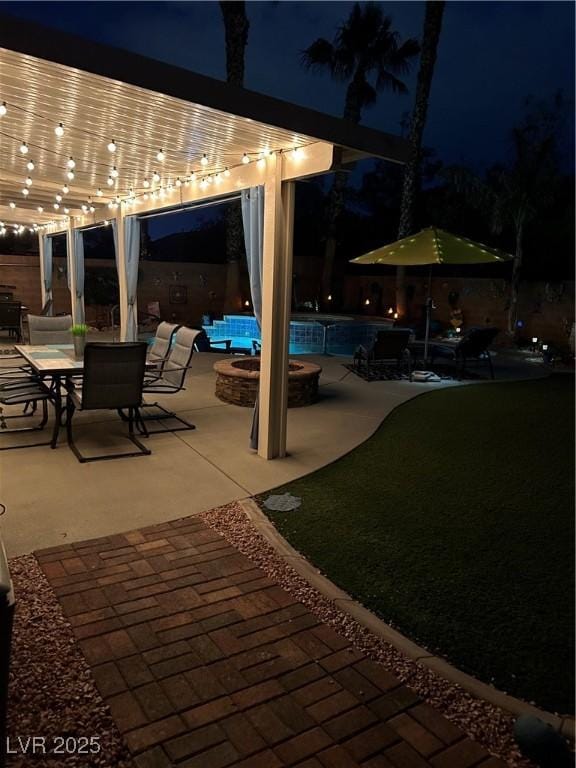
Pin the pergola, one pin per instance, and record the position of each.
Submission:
(92, 135)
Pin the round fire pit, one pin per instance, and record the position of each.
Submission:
(237, 381)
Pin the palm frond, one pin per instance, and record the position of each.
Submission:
(386, 80)
(318, 56)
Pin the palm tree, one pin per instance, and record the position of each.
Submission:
(512, 195)
(236, 26)
(368, 55)
(411, 187)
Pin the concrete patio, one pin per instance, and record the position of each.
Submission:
(51, 499)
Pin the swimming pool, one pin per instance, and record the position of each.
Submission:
(309, 334)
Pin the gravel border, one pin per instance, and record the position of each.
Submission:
(487, 724)
(52, 692)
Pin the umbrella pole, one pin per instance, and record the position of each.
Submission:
(429, 305)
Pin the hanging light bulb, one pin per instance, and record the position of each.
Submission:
(59, 130)
(110, 181)
(114, 172)
(30, 165)
(24, 148)
(3, 109)
(85, 209)
(28, 181)
(261, 162)
(40, 209)
(226, 172)
(156, 177)
(70, 175)
(12, 205)
(245, 158)
(25, 192)
(66, 210)
(178, 182)
(106, 222)
(99, 192)
(112, 146)
(218, 178)
(110, 205)
(160, 155)
(146, 184)
(71, 163)
(296, 153)
(58, 198)
(65, 189)
(203, 184)
(204, 160)
(145, 196)
(192, 176)
(56, 206)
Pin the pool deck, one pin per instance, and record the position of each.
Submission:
(52, 500)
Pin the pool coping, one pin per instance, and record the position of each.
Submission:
(563, 724)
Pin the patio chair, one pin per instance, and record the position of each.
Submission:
(11, 318)
(474, 345)
(203, 343)
(170, 380)
(390, 347)
(50, 330)
(28, 394)
(160, 349)
(113, 378)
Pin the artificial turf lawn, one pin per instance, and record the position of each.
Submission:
(455, 523)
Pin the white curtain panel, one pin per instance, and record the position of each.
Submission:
(76, 267)
(47, 259)
(132, 246)
(253, 222)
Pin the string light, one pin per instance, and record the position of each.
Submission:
(12, 205)
(226, 172)
(160, 156)
(66, 210)
(30, 165)
(204, 160)
(192, 176)
(114, 172)
(40, 209)
(245, 159)
(203, 184)
(59, 130)
(178, 182)
(3, 109)
(218, 178)
(24, 148)
(71, 163)
(25, 192)
(146, 184)
(112, 146)
(65, 189)
(28, 181)
(296, 153)
(70, 175)
(56, 206)
(84, 209)
(58, 198)
(156, 177)
(99, 192)
(110, 181)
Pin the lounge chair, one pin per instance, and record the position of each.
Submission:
(390, 348)
(203, 343)
(474, 345)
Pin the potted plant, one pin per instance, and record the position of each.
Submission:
(79, 331)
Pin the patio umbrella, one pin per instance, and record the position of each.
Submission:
(432, 246)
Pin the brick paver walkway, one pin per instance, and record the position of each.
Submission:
(206, 663)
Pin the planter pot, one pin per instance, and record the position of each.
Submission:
(79, 344)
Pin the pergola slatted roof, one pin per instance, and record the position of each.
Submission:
(100, 93)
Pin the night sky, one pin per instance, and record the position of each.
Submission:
(491, 57)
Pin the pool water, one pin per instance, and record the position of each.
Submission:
(308, 334)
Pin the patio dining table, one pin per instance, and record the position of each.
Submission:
(56, 362)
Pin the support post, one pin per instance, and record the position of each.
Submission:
(276, 308)
(43, 295)
(121, 267)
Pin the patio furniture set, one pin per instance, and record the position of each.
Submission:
(109, 376)
(396, 348)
